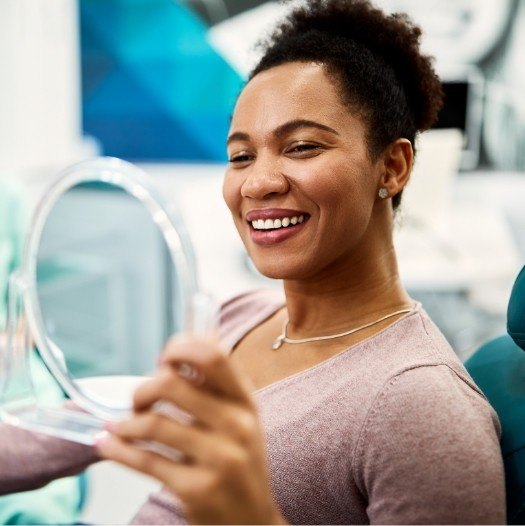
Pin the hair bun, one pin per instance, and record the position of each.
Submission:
(393, 38)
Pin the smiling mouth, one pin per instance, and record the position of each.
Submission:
(279, 223)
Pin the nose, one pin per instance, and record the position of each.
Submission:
(264, 180)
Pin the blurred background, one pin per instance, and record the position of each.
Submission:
(155, 81)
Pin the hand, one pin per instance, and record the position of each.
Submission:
(222, 476)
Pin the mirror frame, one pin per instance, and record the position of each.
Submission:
(138, 184)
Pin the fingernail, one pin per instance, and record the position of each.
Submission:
(101, 440)
(110, 426)
(191, 374)
(186, 371)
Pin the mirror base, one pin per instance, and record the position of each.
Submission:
(60, 422)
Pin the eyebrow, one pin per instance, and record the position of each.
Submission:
(284, 129)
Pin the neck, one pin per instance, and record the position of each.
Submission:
(346, 294)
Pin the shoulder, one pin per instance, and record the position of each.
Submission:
(414, 348)
(422, 389)
(409, 349)
(430, 406)
(430, 434)
(244, 311)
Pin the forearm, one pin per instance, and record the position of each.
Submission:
(31, 460)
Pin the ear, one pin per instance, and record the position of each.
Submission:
(398, 158)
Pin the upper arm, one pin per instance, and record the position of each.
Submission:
(429, 453)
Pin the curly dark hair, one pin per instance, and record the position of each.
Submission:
(374, 60)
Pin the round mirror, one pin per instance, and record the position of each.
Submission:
(109, 276)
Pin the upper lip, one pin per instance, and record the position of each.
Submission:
(272, 213)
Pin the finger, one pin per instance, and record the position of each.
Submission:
(209, 410)
(180, 478)
(211, 361)
(191, 441)
(207, 449)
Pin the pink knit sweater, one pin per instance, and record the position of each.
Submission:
(390, 431)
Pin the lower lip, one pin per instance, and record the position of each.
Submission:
(272, 237)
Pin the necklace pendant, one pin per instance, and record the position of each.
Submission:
(277, 343)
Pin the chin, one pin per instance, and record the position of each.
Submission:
(283, 270)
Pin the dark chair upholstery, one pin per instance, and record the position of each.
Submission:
(498, 368)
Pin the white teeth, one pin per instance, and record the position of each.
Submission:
(269, 224)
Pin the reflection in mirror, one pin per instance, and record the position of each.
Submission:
(105, 284)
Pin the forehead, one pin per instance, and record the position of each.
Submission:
(288, 92)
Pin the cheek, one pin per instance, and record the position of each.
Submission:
(343, 197)
(335, 188)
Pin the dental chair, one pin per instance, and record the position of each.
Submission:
(498, 368)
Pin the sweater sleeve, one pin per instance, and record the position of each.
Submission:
(31, 460)
(429, 453)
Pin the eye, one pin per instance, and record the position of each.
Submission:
(305, 149)
(240, 158)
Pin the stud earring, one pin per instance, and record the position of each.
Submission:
(383, 192)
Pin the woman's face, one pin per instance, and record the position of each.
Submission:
(300, 183)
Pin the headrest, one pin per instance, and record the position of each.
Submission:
(516, 311)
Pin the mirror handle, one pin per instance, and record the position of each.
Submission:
(205, 315)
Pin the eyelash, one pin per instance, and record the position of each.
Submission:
(299, 148)
(305, 147)
(239, 158)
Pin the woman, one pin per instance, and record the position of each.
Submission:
(382, 424)
(341, 402)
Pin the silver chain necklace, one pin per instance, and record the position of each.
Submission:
(282, 338)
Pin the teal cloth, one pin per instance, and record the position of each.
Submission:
(59, 502)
